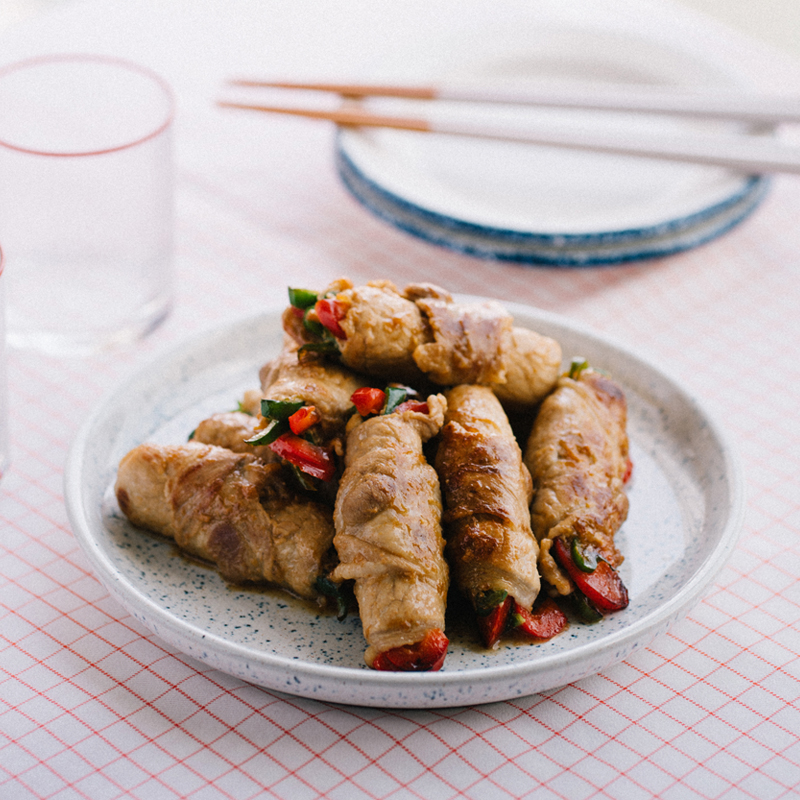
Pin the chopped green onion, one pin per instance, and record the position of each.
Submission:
(280, 409)
(302, 298)
(578, 365)
(585, 560)
(191, 435)
(276, 428)
(487, 601)
(395, 395)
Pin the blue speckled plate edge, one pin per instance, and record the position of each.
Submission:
(603, 248)
(360, 686)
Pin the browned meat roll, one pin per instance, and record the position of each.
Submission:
(577, 455)
(389, 539)
(421, 332)
(231, 429)
(487, 489)
(229, 509)
(325, 385)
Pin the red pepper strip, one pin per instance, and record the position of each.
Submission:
(603, 587)
(303, 419)
(491, 625)
(544, 622)
(306, 456)
(628, 471)
(414, 405)
(425, 656)
(330, 313)
(368, 401)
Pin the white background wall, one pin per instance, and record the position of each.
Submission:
(774, 21)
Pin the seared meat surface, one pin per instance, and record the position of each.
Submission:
(325, 385)
(229, 509)
(577, 455)
(230, 430)
(388, 528)
(422, 333)
(487, 490)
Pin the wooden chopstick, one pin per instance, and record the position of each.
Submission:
(748, 154)
(716, 105)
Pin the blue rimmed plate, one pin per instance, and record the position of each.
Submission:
(545, 205)
(686, 509)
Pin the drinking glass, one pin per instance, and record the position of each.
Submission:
(86, 201)
(3, 379)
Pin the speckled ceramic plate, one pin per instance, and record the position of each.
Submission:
(546, 205)
(686, 506)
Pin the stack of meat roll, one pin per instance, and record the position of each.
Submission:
(320, 483)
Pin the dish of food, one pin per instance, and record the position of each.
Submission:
(685, 514)
(546, 205)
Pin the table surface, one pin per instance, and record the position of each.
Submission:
(94, 705)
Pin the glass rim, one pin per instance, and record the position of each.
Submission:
(101, 59)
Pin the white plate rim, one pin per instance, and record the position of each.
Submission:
(604, 248)
(357, 686)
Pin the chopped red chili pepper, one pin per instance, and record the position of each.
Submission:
(492, 625)
(628, 471)
(603, 587)
(424, 656)
(306, 456)
(368, 401)
(544, 622)
(330, 313)
(419, 406)
(303, 419)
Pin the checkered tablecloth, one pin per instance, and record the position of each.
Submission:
(95, 706)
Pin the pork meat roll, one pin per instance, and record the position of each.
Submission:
(577, 455)
(229, 509)
(421, 332)
(389, 539)
(487, 491)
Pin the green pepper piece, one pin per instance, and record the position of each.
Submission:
(241, 409)
(313, 326)
(395, 395)
(302, 298)
(583, 608)
(325, 348)
(326, 587)
(276, 428)
(584, 560)
(578, 365)
(487, 601)
(280, 409)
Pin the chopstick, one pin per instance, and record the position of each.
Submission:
(719, 105)
(748, 154)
